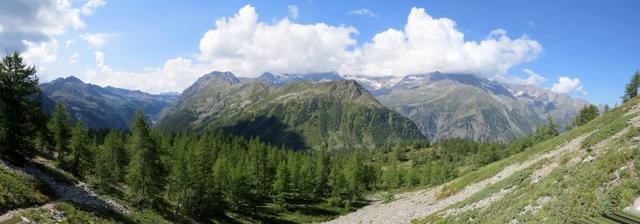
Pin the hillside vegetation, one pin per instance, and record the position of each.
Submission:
(586, 172)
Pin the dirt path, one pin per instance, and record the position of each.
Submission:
(78, 193)
(418, 204)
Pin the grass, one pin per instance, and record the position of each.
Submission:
(18, 190)
(612, 118)
(604, 132)
(58, 174)
(302, 211)
(579, 190)
(12, 220)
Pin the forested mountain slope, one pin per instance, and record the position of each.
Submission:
(338, 114)
(585, 172)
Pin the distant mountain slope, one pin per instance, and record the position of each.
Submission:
(100, 107)
(466, 106)
(301, 114)
(458, 105)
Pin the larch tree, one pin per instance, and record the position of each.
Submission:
(631, 89)
(59, 128)
(19, 111)
(79, 159)
(144, 174)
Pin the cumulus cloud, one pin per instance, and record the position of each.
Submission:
(247, 47)
(428, 44)
(363, 12)
(35, 21)
(293, 11)
(566, 85)
(90, 6)
(41, 52)
(174, 76)
(534, 78)
(97, 40)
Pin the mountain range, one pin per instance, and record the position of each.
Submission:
(321, 109)
(101, 107)
(338, 114)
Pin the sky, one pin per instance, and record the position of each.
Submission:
(587, 49)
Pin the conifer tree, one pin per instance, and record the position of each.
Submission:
(307, 180)
(631, 90)
(111, 159)
(322, 172)
(144, 174)
(281, 185)
(585, 115)
(59, 128)
(20, 115)
(80, 157)
(354, 176)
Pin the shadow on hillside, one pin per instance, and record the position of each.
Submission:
(270, 129)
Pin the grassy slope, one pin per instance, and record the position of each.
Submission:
(577, 189)
(18, 190)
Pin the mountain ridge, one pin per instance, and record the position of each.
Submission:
(100, 107)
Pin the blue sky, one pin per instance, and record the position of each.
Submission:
(159, 42)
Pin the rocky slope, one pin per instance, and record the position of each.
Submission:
(466, 106)
(336, 115)
(586, 172)
(99, 107)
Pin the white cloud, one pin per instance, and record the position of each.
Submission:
(174, 76)
(31, 27)
(41, 52)
(73, 59)
(566, 85)
(247, 47)
(427, 44)
(293, 11)
(90, 6)
(68, 43)
(97, 40)
(363, 12)
(534, 78)
(100, 61)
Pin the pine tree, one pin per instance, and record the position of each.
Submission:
(322, 172)
(546, 131)
(111, 159)
(307, 180)
(19, 113)
(144, 174)
(337, 183)
(354, 176)
(80, 157)
(259, 155)
(59, 127)
(631, 90)
(585, 115)
(281, 185)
